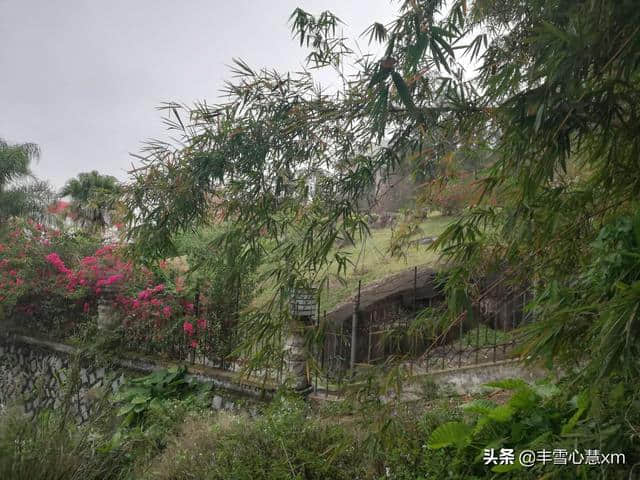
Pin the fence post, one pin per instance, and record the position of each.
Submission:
(477, 338)
(372, 322)
(322, 368)
(505, 313)
(415, 287)
(354, 330)
(462, 320)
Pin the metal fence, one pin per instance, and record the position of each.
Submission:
(387, 332)
(376, 334)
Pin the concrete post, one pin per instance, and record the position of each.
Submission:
(296, 357)
(302, 309)
(108, 318)
(354, 330)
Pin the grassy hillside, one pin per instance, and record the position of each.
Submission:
(371, 261)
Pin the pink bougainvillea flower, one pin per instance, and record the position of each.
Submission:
(202, 323)
(85, 307)
(144, 295)
(136, 304)
(55, 260)
(88, 260)
(155, 302)
(158, 288)
(166, 311)
(114, 278)
(194, 344)
(189, 307)
(188, 327)
(104, 250)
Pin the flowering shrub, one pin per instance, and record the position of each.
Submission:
(52, 279)
(29, 285)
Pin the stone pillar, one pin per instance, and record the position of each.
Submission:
(295, 354)
(302, 308)
(108, 318)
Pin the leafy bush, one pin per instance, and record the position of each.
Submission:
(538, 417)
(224, 279)
(51, 282)
(30, 292)
(46, 448)
(285, 443)
(141, 395)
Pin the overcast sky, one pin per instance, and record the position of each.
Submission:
(83, 78)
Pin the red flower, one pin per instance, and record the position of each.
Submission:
(104, 250)
(85, 307)
(188, 327)
(144, 295)
(114, 278)
(55, 260)
(88, 260)
(166, 311)
(194, 344)
(202, 323)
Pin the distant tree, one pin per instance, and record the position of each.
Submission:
(15, 161)
(21, 194)
(93, 199)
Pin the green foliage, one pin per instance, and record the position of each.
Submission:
(223, 277)
(284, 443)
(93, 198)
(535, 417)
(29, 295)
(15, 160)
(46, 448)
(144, 394)
(451, 433)
(598, 306)
(552, 105)
(21, 194)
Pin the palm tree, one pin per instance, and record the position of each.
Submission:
(21, 194)
(93, 198)
(15, 161)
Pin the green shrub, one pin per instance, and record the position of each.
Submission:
(287, 442)
(538, 417)
(46, 448)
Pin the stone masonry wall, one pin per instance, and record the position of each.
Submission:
(37, 374)
(37, 377)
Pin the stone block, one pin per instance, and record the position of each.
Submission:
(217, 402)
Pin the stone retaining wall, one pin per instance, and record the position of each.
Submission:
(37, 374)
